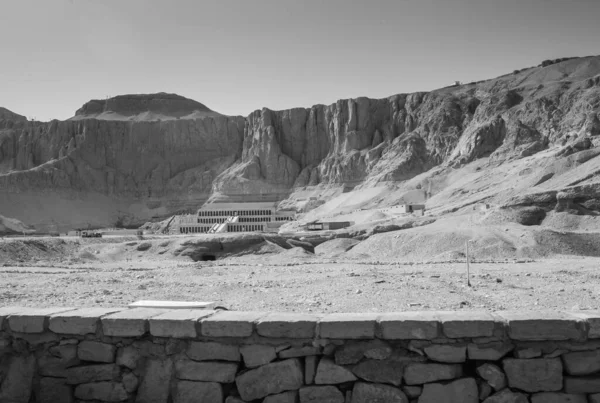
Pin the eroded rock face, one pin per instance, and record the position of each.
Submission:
(138, 169)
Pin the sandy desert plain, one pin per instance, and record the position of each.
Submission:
(415, 269)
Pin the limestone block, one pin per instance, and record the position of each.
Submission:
(256, 355)
(16, 385)
(175, 346)
(56, 361)
(299, 352)
(130, 382)
(288, 325)
(409, 325)
(493, 375)
(156, 377)
(535, 375)
(451, 353)
(373, 392)
(493, 351)
(593, 320)
(190, 392)
(178, 323)
(270, 379)
(320, 394)
(128, 356)
(150, 349)
(459, 391)
(64, 351)
(207, 351)
(530, 352)
(507, 396)
(353, 351)
(233, 399)
(129, 323)
(467, 324)
(544, 325)
(348, 326)
(419, 373)
(54, 390)
(4, 346)
(103, 391)
(310, 369)
(79, 321)
(285, 397)
(230, 324)
(380, 371)
(582, 362)
(92, 373)
(595, 398)
(582, 384)
(412, 392)
(329, 373)
(35, 339)
(207, 371)
(548, 397)
(96, 351)
(485, 390)
(32, 320)
(7, 311)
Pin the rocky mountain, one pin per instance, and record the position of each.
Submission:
(130, 158)
(6, 115)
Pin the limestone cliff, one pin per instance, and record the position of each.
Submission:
(170, 154)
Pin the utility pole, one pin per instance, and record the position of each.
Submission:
(468, 269)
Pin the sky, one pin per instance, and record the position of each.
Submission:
(236, 56)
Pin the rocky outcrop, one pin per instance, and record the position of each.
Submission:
(143, 162)
(161, 106)
(7, 115)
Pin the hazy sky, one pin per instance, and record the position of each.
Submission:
(239, 56)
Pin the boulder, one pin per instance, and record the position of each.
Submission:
(329, 373)
(493, 375)
(459, 391)
(534, 375)
(321, 394)
(208, 351)
(552, 397)
(507, 396)
(377, 393)
(186, 391)
(418, 373)
(256, 355)
(270, 379)
(449, 353)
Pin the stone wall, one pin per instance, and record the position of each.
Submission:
(54, 355)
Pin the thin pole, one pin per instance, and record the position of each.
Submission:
(468, 271)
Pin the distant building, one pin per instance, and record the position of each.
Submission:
(418, 209)
(324, 226)
(235, 217)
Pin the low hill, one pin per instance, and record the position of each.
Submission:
(143, 107)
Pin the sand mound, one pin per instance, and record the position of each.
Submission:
(448, 237)
(335, 247)
(570, 222)
(13, 226)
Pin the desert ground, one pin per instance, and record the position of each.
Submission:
(509, 271)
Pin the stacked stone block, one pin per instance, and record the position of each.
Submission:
(157, 355)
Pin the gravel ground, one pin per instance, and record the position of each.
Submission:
(309, 286)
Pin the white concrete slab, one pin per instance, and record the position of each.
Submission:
(172, 304)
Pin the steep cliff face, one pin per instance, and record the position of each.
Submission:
(164, 157)
(129, 171)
